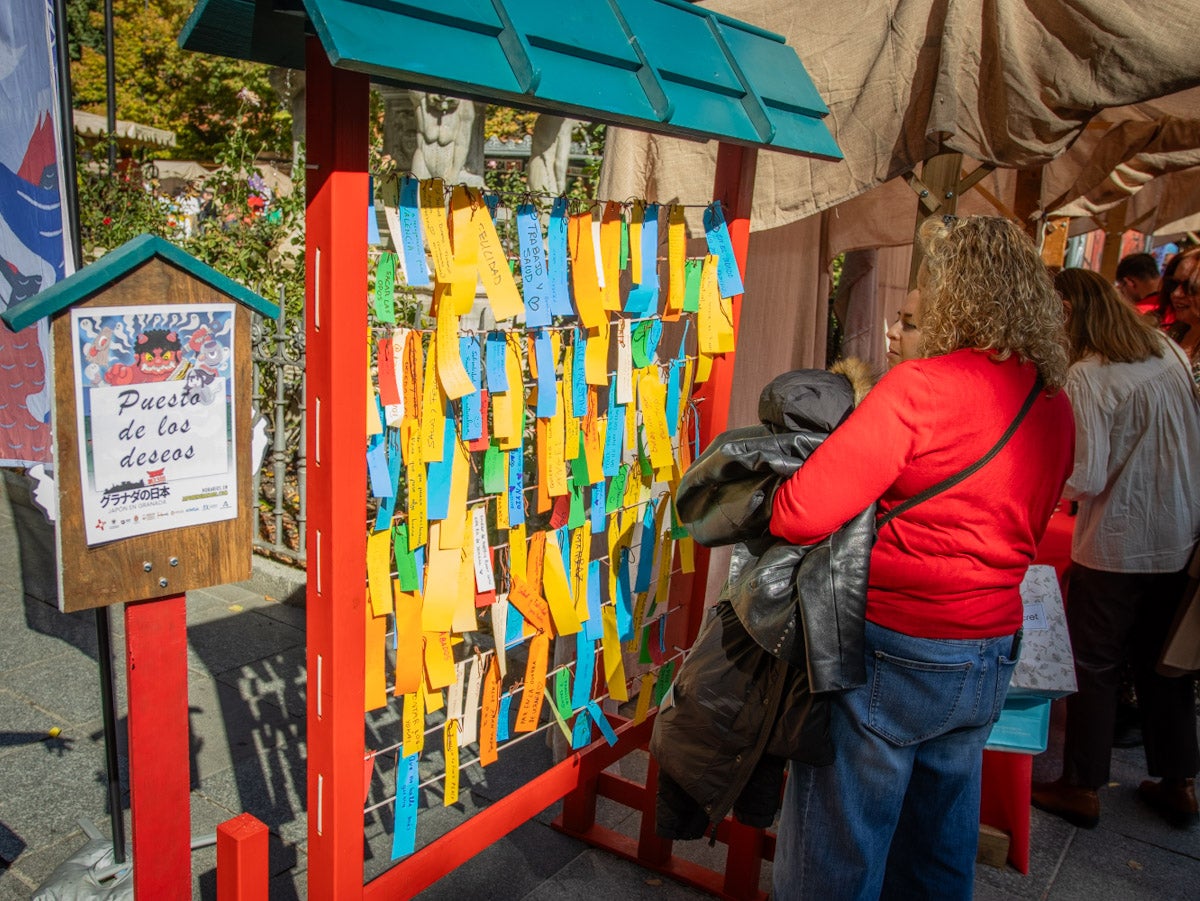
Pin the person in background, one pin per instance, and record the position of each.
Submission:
(904, 335)
(1185, 302)
(1165, 312)
(897, 812)
(1137, 280)
(1137, 480)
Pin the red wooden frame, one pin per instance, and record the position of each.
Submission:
(337, 359)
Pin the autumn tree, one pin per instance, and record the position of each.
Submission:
(198, 96)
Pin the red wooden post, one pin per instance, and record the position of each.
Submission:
(336, 261)
(733, 185)
(159, 771)
(743, 863)
(242, 871)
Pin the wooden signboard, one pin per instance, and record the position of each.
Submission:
(158, 563)
(151, 354)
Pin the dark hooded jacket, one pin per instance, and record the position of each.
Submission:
(787, 627)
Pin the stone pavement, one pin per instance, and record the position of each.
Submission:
(246, 702)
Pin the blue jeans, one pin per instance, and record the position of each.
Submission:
(896, 815)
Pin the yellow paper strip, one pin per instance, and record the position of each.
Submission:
(376, 679)
(530, 710)
(466, 251)
(379, 569)
(644, 694)
(408, 641)
(653, 395)
(441, 583)
(414, 722)
(557, 591)
(532, 605)
(453, 375)
(676, 263)
(490, 714)
(614, 665)
(610, 254)
(708, 319)
(687, 555)
(418, 522)
(433, 217)
(583, 271)
(518, 553)
(636, 217)
(497, 278)
(579, 572)
(455, 529)
(433, 411)
(595, 356)
(450, 750)
(464, 606)
(439, 661)
(556, 463)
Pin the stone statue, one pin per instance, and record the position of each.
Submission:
(449, 139)
(548, 154)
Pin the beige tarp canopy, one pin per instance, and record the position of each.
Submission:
(1073, 93)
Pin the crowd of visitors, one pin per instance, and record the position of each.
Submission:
(1009, 388)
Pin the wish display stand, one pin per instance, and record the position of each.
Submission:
(126, 333)
(659, 65)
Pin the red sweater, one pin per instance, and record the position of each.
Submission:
(950, 567)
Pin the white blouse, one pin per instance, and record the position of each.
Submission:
(1137, 464)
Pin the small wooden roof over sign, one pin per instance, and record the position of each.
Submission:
(129, 256)
(661, 66)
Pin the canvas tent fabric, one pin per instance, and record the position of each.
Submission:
(1011, 84)
(1020, 86)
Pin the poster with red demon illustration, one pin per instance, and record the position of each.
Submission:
(154, 399)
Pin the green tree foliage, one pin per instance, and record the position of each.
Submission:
(197, 96)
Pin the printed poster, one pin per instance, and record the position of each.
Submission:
(155, 414)
(34, 249)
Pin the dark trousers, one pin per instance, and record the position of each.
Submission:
(1113, 617)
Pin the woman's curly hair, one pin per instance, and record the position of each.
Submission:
(984, 286)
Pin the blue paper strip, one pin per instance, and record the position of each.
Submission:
(646, 551)
(404, 830)
(644, 298)
(516, 486)
(547, 393)
(597, 507)
(601, 721)
(502, 718)
(578, 374)
(412, 234)
(585, 670)
(556, 241)
(729, 280)
(472, 404)
(581, 733)
(377, 467)
(614, 439)
(624, 599)
(372, 222)
(593, 628)
(419, 556)
(535, 279)
(497, 372)
(673, 389)
(514, 628)
(493, 203)
(437, 487)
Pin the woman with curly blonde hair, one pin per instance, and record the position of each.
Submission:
(1137, 481)
(966, 449)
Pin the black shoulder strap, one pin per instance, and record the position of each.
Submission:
(970, 470)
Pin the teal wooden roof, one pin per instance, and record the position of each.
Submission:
(657, 65)
(112, 266)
